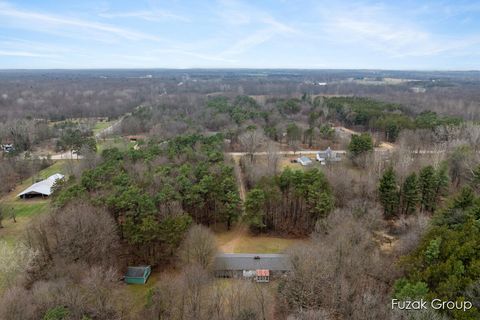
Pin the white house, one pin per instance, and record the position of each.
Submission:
(42, 188)
(327, 156)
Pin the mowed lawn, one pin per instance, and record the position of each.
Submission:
(13, 231)
(115, 142)
(24, 209)
(264, 244)
(56, 167)
(235, 241)
(101, 125)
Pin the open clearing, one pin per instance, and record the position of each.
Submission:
(24, 209)
(101, 126)
(240, 240)
(12, 231)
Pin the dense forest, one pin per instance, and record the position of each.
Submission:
(155, 193)
(292, 202)
(445, 265)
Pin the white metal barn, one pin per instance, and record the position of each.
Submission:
(42, 188)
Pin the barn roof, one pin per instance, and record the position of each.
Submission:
(250, 261)
(43, 187)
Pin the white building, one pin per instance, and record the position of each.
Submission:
(328, 155)
(304, 161)
(42, 188)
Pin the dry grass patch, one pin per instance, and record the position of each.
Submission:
(239, 240)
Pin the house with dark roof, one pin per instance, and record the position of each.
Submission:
(259, 267)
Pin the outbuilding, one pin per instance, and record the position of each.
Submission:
(257, 267)
(138, 275)
(42, 188)
(304, 161)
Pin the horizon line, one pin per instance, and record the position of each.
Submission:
(238, 68)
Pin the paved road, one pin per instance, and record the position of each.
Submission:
(65, 156)
(384, 146)
(264, 153)
(68, 156)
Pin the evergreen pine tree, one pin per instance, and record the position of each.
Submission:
(388, 193)
(475, 178)
(441, 181)
(410, 194)
(254, 213)
(427, 186)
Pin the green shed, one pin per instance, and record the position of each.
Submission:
(138, 275)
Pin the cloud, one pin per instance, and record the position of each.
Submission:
(46, 22)
(241, 17)
(28, 54)
(378, 29)
(155, 15)
(249, 42)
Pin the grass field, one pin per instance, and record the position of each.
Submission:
(12, 231)
(264, 244)
(241, 241)
(101, 125)
(24, 209)
(138, 292)
(56, 167)
(116, 142)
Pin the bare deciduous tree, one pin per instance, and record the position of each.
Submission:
(14, 260)
(251, 140)
(342, 271)
(16, 304)
(199, 247)
(272, 158)
(86, 233)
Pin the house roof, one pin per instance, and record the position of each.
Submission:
(262, 272)
(136, 272)
(326, 153)
(43, 187)
(251, 261)
(304, 159)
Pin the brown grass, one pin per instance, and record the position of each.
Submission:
(239, 240)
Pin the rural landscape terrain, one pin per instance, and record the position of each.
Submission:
(240, 160)
(366, 183)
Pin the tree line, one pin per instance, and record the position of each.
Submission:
(421, 190)
(290, 203)
(156, 192)
(445, 264)
(386, 117)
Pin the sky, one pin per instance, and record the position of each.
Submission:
(316, 34)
